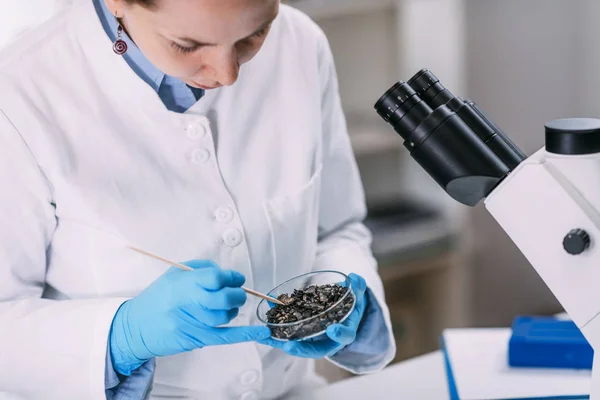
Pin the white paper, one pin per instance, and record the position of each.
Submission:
(479, 361)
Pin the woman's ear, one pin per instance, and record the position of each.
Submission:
(115, 7)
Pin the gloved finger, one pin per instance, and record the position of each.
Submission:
(315, 350)
(224, 299)
(357, 313)
(199, 264)
(216, 278)
(237, 334)
(277, 344)
(212, 318)
(344, 335)
(359, 285)
(359, 288)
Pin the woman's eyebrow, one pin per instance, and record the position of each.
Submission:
(193, 42)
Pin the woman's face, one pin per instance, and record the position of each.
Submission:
(202, 42)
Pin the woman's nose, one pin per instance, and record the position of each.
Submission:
(227, 67)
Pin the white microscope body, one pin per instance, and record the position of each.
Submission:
(548, 203)
(544, 200)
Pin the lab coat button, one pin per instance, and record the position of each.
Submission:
(249, 377)
(232, 237)
(196, 132)
(224, 214)
(200, 156)
(249, 396)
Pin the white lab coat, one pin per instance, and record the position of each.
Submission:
(18, 16)
(259, 177)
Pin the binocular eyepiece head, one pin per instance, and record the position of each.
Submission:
(465, 152)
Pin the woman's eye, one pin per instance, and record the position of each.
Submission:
(183, 49)
(251, 40)
(261, 33)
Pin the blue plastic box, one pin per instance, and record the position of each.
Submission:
(545, 342)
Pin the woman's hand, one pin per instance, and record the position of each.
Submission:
(179, 312)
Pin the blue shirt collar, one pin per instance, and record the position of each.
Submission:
(134, 57)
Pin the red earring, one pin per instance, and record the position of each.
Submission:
(120, 47)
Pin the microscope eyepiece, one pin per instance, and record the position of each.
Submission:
(394, 99)
(403, 109)
(450, 138)
(428, 87)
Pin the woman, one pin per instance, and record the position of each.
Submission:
(204, 130)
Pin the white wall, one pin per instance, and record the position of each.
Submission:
(589, 98)
(364, 46)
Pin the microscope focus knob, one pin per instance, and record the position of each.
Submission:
(576, 242)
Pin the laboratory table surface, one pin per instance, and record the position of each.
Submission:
(422, 378)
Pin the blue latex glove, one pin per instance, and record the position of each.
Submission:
(179, 312)
(337, 336)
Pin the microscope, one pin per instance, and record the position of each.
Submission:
(547, 203)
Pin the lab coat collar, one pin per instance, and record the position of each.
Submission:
(115, 75)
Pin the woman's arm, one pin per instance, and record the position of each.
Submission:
(49, 349)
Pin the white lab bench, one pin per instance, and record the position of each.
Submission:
(422, 377)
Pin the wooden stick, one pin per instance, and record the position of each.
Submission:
(186, 268)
